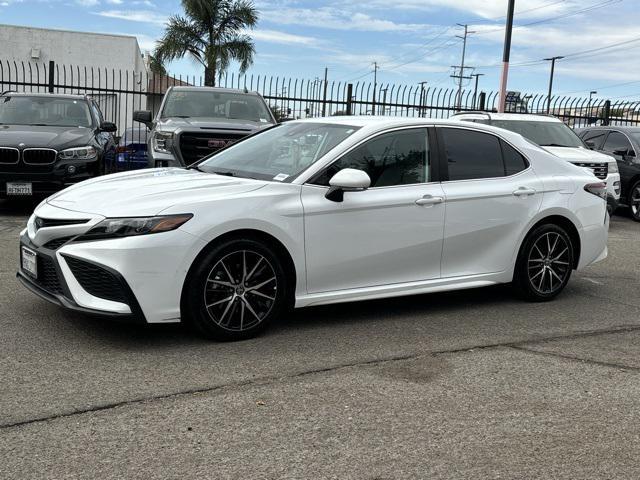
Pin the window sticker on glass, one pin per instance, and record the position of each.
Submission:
(280, 177)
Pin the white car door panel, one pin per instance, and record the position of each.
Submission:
(484, 220)
(491, 196)
(374, 237)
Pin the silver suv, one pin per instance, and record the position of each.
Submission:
(194, 122)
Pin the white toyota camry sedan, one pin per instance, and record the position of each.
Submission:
(314, 212)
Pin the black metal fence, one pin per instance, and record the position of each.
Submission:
(120, 92)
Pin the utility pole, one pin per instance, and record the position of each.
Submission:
(461, 76)
(553, 67)
(475, 91)
(375, 86)
(324, 96)
(421, 109)
(505, 57)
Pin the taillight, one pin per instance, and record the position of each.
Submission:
(598, 189)
(121, 149)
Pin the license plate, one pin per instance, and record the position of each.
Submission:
(30, 262)
(14, 188)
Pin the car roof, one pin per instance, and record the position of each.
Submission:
(627, 129)
(47, 95)
(183, 88)
(371, 123)
(519, 117)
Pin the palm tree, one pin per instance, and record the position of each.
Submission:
(212, 33)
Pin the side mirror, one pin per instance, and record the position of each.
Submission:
(347, 180)
(108, 127)
(624, 152)
(143, 116)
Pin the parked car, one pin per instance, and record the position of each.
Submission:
(556, 137)
(131, 152)
(50, 141)
(623, 143)
(193, 122)
(358, 213)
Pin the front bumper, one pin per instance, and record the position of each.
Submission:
(46, 180)
(57, 284)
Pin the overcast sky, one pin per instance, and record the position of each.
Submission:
(412, 40)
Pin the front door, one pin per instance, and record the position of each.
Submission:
(388, 234)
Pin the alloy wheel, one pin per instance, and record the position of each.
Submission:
(635, 201)
(549, 263)
(240, 290)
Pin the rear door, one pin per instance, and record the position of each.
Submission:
(491, 194)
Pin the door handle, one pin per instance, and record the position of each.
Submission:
(524, 192)
(429, 200)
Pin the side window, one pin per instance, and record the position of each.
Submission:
(596, 137)
(472, 154)
(396, 158)
(513, 161)
(616, 141)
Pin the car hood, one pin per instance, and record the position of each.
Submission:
(206, 123)
(579, 155)
(44, 137)
(148, 192)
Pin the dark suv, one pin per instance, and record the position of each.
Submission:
(49, 141)
(623, 143)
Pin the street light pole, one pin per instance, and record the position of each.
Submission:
(553, 67)
(505, 57)
(591, 94)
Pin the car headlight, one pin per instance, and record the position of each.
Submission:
(133, 226)
(79, 153)
(162, 142)
(613, 167)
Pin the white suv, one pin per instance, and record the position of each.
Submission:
(557, 138)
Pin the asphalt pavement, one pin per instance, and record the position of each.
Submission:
(472, 384)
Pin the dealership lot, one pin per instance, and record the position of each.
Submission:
(457, 385)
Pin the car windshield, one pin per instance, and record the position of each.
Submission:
(278, 153)
(545, 134)
(214, 104)
(44, 111)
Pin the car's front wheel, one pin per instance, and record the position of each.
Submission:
(235, 290)
(545, 263)
(634, 201)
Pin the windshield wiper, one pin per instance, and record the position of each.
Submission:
(194, 167)
(181, 116)
(38, 125)
(554, 145)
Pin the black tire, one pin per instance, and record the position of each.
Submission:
(235, 290)
(544, 264)
(634, 201)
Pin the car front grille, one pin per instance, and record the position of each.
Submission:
(56, 243)
(39, 156)
(97, 281)
(600, 170)
(197, 145)
(48, 275)
(9, 156)
(41, 222)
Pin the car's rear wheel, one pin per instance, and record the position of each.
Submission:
(634, 201)
(236, 290)
(545, 263)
